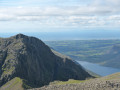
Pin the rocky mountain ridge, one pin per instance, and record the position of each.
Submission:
(31, 60)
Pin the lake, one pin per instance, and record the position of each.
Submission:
(98, 69)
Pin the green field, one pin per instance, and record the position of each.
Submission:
(84, 50)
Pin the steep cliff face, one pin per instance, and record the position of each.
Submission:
(30, 59)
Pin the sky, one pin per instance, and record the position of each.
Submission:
(59, 15)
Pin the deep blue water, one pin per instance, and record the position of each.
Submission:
(98, 69)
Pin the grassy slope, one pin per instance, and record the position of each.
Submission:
(17, 83)
(14, 84)
(115, 76)
(71, 81)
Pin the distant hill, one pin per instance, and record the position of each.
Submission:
(112, 57)
(103, 52)
(31, 63)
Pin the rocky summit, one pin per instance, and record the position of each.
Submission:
(29, 59)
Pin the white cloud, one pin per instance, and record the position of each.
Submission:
(114, 17)
(97, 13)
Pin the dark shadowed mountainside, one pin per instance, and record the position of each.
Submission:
(35, 63)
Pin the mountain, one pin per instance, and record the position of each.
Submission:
(112, 57)
(34, 63)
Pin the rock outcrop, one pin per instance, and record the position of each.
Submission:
(30, 59)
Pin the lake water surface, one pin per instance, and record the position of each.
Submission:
(98, 69)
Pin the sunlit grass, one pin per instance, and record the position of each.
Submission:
(71, 81)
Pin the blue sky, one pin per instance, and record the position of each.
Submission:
(59, 15)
